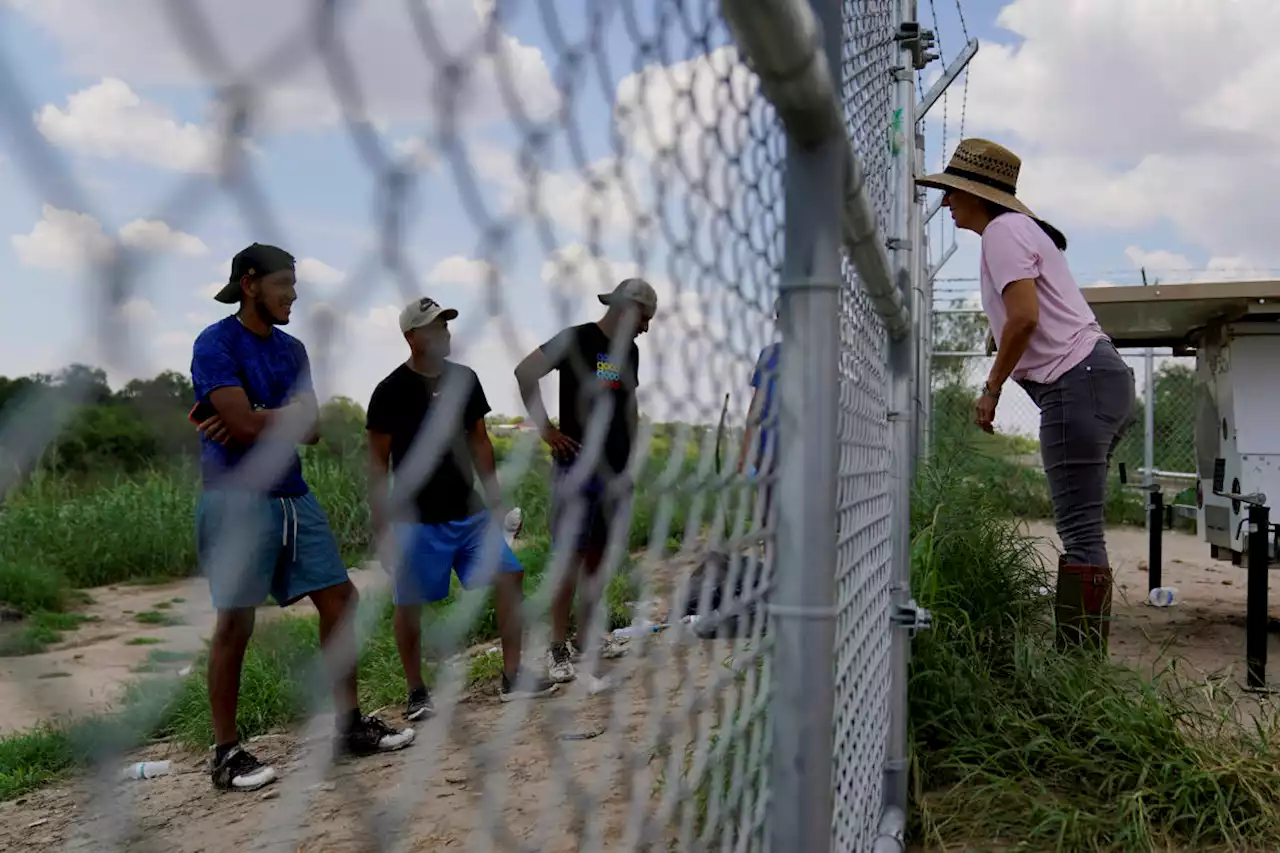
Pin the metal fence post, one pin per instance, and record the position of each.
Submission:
(802, 612)
(1256, 618)
(903, 242)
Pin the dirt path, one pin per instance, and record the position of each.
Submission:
(1204, 633)
(87, 672)
(534, 773)
(607, 768)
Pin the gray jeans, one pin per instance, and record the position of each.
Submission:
(1083, 416)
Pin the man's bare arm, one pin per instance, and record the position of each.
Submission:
(485, 463)
(246, 425)
(379, 478)
(529, 373)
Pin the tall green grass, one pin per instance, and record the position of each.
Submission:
(1017, 743)
(59, 533)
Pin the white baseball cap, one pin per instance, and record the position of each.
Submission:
(421, 312)
(635, 290)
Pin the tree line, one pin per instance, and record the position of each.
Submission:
(144, 422)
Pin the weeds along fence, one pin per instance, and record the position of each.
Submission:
(755, 166)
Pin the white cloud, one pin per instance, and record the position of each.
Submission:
(137, 310)
(67, 240)
(416, 153)
(62, 240)
(313, 271)
(1173, 267)
(152, 235)
(110, 120)
(1127, 116)
(458, 269)
(393, 70)
(672, 114)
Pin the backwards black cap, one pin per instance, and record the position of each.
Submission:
(256, 260)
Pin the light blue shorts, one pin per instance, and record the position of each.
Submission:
(281, 546)
(429, 552)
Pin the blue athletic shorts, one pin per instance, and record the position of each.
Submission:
(282, 547)
(430, 551)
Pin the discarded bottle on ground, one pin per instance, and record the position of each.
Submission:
(146, 770)
(1163, 596)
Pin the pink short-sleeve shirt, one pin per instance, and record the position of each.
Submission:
(1014, 247)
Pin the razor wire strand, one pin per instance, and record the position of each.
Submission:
(735, 225)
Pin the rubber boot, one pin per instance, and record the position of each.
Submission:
(1082, 609)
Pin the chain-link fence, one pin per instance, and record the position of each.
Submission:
(733, 675)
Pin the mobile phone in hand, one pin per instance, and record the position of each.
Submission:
(201, 412)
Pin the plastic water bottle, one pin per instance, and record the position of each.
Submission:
(1163, 596)
(638, 630)
(146, 770)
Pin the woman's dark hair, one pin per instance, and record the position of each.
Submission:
(1059, 239)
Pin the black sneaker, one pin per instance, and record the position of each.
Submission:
(420, 705)
(525, 686)
(370, 735)
(239, 770)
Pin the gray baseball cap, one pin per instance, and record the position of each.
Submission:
(635, 290)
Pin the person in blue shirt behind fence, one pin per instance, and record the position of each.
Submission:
(251, 377)
(759, 440)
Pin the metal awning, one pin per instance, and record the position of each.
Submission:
(1170, 315)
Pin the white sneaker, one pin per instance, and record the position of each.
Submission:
(560, 667)
(512, 525)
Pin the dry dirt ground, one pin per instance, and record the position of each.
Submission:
(598, 741)
(1203, 634)
(554, 761)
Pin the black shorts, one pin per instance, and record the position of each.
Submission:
(597, 506)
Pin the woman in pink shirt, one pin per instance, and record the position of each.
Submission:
(1049, 342)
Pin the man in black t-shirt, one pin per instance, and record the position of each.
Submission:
(599, 373)
(445, 527)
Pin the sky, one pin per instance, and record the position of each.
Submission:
(513, 161)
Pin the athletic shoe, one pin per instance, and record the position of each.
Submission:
(419, 705)
(370, 735)
(239, 770)
(526, 687)
(512, 524)
(559, 666)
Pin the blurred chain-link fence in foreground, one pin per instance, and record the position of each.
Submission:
(756, 169)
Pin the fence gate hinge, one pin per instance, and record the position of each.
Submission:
(918, 41)
(895, 243)
(913, 617)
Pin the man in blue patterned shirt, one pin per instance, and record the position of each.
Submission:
(259, 529)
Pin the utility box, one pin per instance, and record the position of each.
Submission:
(1232, 330)
(1237, 429)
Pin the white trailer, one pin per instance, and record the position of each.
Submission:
(1231, 328)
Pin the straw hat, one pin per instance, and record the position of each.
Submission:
(982, 168)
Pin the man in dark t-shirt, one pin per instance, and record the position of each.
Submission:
(599, 373)
(443, 529)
